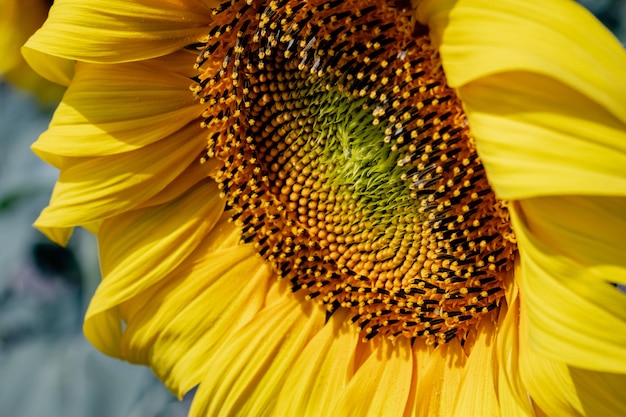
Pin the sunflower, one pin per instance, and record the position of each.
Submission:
(348, 208)
(18, 21)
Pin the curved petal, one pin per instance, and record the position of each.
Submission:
(139, 104)
(571, 312)
(559, 39)
(575, 314)
(99, 131)
(90, 189)
(175, 325)
(140, 247)
(544, 98)
(439, 380)
(113, 31)
(601, 393)
(381, 385)
(421, 359)
(322, 371)
(195, 173)
(548, 382)
(588, 229)
(538, 137)
(477, 392)
(245, 378)
(512, 393)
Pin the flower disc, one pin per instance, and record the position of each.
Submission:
(348, 162)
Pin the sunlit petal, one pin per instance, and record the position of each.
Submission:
(113, 31)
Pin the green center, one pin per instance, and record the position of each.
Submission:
(332, 138)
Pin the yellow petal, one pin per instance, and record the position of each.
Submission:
(421, 359)
(18, 20)
(382, 384)
(139, 104)
(169, 326)
(548, 382)
(322, 371)
(438, 384)
(90, 189)
(543, 86)
(588, 229)
(195, 173)
(247, 374)
(477, 392)
(138, 248)
(575, 314)
(558, 39)
(601, 393)
(538, 137)
(512, 393)
(113, 31)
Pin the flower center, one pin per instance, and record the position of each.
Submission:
(348, 163)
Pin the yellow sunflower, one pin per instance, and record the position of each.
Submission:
(299, 212)
(19, 19)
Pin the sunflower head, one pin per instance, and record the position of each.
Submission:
(348, 163)
(427, 194)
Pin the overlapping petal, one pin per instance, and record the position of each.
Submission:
(538, 137)
(544, 123)
(140, 248)
(119, 144)
(512, 393)
(601, 393)
(548, 382)
(264, 351)
(439, 381)
(113, 31)
(571, 249)
(115, 108)
(559, 39)
(381, 385)
(176, 324)
(323, 370)
(90, 189)
(477, 393)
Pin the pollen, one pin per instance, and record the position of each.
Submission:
(348, 163)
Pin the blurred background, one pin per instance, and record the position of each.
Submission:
(47, 368)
